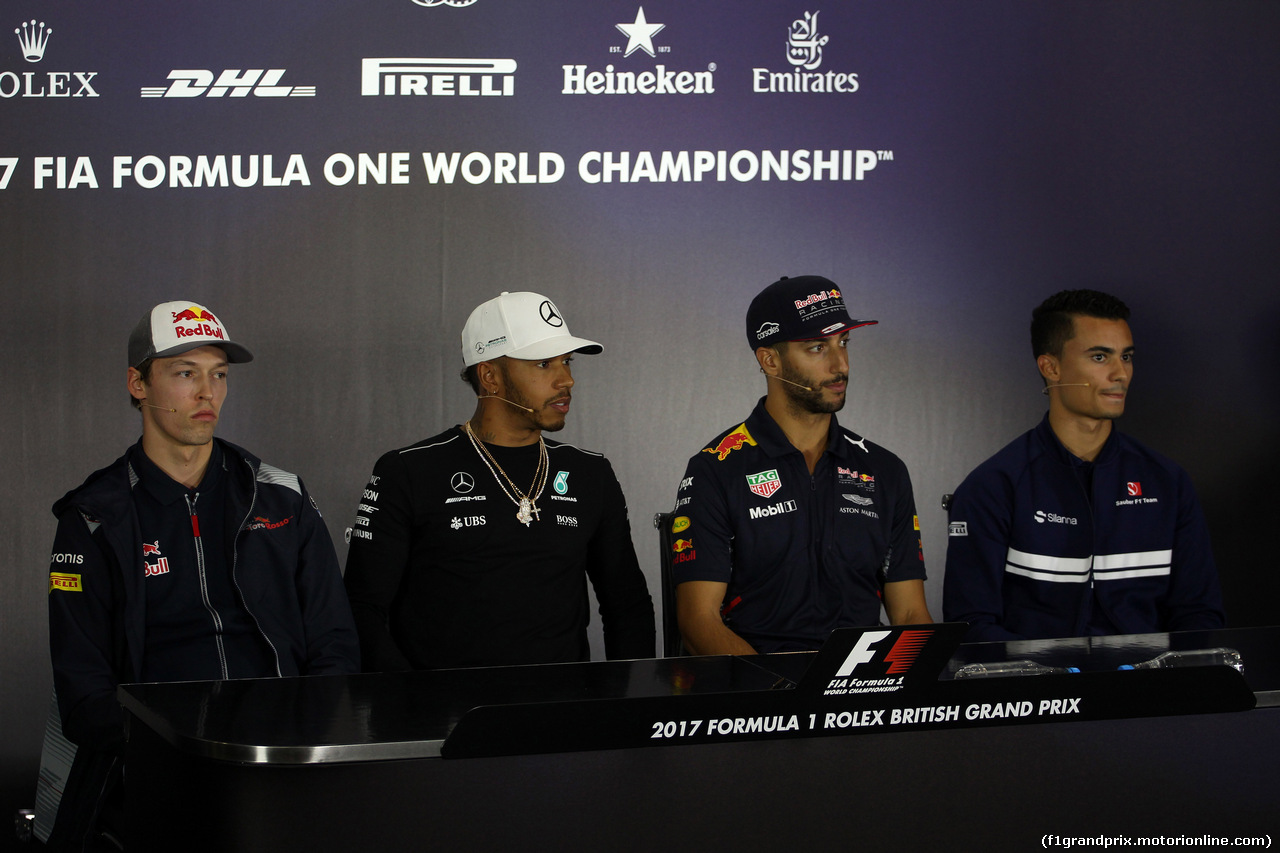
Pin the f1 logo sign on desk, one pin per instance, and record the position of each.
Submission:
(882, 660)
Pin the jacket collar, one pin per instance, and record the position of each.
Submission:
(1110, 448)
(773, 441)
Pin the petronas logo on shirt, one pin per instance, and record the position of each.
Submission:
(561, 483)
(765, 483)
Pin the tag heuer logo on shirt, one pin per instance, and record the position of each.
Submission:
(765, 483)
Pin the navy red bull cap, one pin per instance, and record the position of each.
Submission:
(172, 328)
(803, 308)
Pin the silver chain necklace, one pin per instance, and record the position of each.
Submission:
(527, 503)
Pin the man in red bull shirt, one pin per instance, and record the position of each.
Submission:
(186, 559)
(475, 547)
(792, 526)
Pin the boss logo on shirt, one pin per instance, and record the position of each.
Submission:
(566, 521)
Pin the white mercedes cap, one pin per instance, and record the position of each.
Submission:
(519, 325)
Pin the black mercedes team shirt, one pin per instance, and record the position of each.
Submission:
(441, 573)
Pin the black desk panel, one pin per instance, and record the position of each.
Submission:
(350, 763)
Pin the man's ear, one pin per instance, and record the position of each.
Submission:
(1050, 369)
(767, 358)
(489, 376)
(137, 387)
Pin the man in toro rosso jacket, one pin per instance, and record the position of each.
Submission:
(186, 559)
(1074, 529)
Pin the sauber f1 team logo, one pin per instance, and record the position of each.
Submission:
(731, 442)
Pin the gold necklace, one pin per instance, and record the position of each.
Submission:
(527, 504)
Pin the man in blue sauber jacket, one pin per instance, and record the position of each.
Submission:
(186, 559)
(1074, 529)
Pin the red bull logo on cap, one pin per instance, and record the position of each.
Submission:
(206, 325)
(821, 296)
(731, 442)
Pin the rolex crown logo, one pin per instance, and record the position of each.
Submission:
(33, 39)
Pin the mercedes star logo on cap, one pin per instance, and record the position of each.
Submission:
(548, 313)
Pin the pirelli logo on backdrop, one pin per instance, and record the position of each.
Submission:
(438, 77)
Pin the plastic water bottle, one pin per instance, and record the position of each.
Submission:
(1194, 657)
(1010, 667)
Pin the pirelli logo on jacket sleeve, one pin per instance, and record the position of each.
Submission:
(64, 581)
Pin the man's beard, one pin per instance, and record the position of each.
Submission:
(812, 402)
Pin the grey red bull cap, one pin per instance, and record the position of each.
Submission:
(803, 308)
(172, 328)
(519, 325)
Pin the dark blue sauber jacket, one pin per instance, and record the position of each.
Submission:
(1042, 545)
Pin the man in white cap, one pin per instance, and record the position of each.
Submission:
(186, 559)
(474, 547)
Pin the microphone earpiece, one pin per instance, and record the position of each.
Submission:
(161, 408)
(1045, 389)
(505, 400)
(788, 381)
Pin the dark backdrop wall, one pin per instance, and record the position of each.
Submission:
(949, 164)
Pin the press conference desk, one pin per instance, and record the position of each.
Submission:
(593, 756)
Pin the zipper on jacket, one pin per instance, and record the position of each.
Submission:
(201, 573)
(235, 553)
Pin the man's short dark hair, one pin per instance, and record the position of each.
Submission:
(471, 376)
(1052, 324)
(144, 367)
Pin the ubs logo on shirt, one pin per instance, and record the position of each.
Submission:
(460, 522)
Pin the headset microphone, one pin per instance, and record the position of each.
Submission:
(1045, 390)
(505, 400)
(788, 381)
(161, 408)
